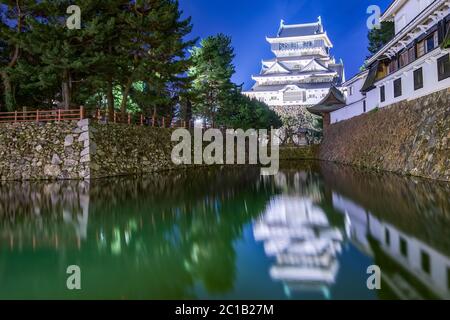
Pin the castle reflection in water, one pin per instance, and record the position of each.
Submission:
(306, 243)
(176, 235)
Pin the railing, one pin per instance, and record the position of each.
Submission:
(142, 120)
(42, 115)
(58, 115)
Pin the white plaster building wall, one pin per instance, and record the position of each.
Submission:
(403, 11)
(408, 12)
(430, 78)
(356, 88)
(347, 112)
(355, 102)
(431, 84)
(276, 98)
(373, 99)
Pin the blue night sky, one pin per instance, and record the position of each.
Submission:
(248, 22)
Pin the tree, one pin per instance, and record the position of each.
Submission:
(246, 113)
(379, 37)
(153, 47)
(11, 24)
(214, 97)
(211, 71)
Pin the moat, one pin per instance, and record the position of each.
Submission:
(309, 232)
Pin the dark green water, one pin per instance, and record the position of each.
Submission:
(308, 233)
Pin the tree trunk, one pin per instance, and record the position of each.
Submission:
(10, 103)
(110, 98)
(125, 93)
(66, 90)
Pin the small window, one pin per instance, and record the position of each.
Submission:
(403, 247)
(430, 41)
(364, 106)
(412, 54)
(425, 261)
(418, 79)
(382, 94)
(397, 88)
(393, 66)
(350, 91)
(404, 59)
(387, 237)
(420, 48)
(443, 65)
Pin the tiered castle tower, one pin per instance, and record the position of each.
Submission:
(301, 73)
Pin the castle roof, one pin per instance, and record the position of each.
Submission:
(333, 101)
(300, 30)
(298, 58)
(315, 73)
(271, 88)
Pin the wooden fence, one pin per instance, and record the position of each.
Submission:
(58, 115)
(42, 115)
(142, 120)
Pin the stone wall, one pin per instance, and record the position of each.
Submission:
(32, 151)
(120, 149)
(409, 137)
(299, 153)
(81, 150)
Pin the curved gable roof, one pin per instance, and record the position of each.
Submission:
(314, 65)
(277, 67)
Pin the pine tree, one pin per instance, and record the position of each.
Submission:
(211, 71)
(131, 55)
(379, 37)
(11, 26)
(152, 48)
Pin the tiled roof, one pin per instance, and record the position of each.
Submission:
(320, 85)
(333, 101)
(299, 30)
(294, 73)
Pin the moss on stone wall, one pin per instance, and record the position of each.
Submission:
(409, 137)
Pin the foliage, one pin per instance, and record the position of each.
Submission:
(211, 71)
(128, 56)
(246, 113)
(120, 46)
(379, 37)
(216, 98)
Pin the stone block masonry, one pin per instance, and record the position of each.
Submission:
(409, 137)
(120, 149)
(34, 151)
(81, 150)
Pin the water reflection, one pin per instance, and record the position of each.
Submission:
(406, 233)
(157, 237)
(309, 232)
(296, 230)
